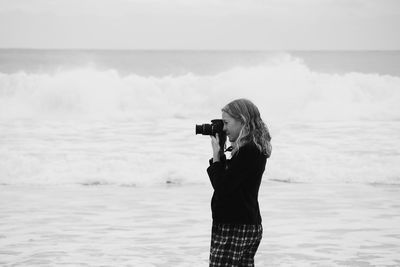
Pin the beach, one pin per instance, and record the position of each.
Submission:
(169, 225)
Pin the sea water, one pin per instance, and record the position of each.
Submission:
(128, 117)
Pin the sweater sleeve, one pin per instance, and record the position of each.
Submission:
(227, 178)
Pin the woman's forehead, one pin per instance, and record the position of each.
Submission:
(226, 116)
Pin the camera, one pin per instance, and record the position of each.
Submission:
(216, 127)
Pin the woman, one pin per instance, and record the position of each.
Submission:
(237, 230)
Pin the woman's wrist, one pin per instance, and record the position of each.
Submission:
(216, 157)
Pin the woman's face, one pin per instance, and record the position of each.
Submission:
(232, 127)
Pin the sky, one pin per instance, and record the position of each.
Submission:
(201, 24)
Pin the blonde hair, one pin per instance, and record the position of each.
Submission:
(253, 130)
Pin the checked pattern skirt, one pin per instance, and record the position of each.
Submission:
(234, 245)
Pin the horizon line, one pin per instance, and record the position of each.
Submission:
(198, 50)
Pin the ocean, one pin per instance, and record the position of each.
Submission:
(127, 118)
(100, 164)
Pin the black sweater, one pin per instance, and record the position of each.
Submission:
(236, 183)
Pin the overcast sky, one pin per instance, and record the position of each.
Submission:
(201, 24)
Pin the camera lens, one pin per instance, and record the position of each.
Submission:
(204, 129)
(199, 129)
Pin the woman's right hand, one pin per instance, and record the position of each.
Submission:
(215, 147)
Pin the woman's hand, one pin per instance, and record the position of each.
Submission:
(216, 148)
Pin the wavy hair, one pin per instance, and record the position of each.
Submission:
(253, 130)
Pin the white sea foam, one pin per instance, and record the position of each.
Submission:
(91, 126)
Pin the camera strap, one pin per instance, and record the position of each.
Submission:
(229, 149)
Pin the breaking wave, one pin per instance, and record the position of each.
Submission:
(284, 89)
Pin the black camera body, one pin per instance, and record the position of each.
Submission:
(216, 127)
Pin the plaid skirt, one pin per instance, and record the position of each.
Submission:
(234, 245)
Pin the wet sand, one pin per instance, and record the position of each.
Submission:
(105, 225)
